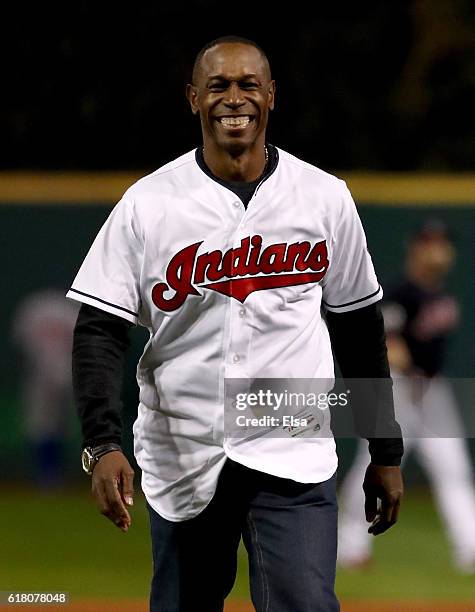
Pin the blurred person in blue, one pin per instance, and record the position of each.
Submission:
(42, 331)
(420, 316)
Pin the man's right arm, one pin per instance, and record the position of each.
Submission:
(99, 344)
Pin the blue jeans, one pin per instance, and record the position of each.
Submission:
(290, 533)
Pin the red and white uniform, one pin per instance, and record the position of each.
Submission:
(226, 292)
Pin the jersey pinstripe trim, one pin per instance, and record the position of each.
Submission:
(354, 301)
(93, 297)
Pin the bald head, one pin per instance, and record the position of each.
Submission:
(240, 44)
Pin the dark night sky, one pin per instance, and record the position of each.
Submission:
(376, 85)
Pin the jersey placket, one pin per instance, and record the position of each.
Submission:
(236, 348)
(239, 361)
(237, 342)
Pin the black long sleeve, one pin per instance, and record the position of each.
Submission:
(359, 344)
(100, 341)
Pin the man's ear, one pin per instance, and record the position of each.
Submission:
(191, 95)
(271, 95)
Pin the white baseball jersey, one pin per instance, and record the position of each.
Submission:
(226, 292)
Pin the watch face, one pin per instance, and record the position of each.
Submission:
(87, 460)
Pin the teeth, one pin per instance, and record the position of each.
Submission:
(235, 121)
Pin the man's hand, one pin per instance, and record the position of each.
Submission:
(383, 483)
(113, 488)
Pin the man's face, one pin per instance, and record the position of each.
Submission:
(233, 93)
(435, 256)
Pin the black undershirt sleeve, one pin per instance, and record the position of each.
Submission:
(359, 345)
(99, 344)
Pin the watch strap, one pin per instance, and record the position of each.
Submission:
(92, 454)
(103, 449)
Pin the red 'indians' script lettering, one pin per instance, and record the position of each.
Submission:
(240, 271)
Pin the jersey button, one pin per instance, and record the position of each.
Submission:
(236, 204)
(236, 359)
(242, 312)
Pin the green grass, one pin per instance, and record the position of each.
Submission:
(411, 561)
(58, 541)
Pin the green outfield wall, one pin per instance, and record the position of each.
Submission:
(48, 222)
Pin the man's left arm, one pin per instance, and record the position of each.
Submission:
(359, 344)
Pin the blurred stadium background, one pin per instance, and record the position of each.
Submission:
(380, 93)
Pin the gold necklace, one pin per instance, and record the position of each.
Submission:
(266, 152)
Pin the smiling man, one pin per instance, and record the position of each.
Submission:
(244, 263)
(233, 93)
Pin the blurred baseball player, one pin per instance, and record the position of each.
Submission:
(226, 256)
(420, 315)
(42, 330)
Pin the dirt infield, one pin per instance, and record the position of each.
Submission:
(360, 606)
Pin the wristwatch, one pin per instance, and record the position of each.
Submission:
(91, 455)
